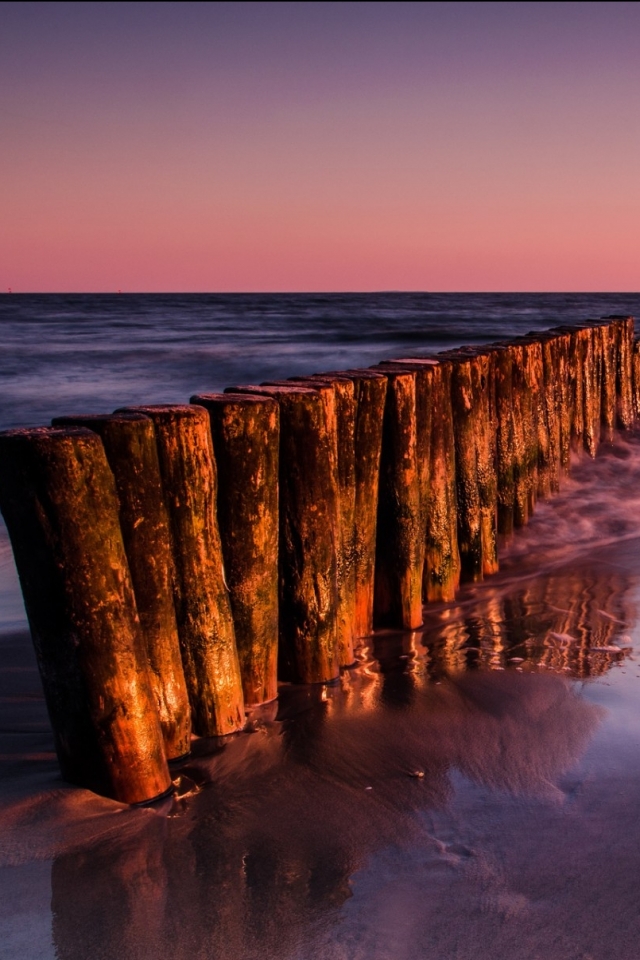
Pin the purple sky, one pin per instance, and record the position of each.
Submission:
(353, 146)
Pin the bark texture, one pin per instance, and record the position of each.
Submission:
(400, 536)
(246, 438)
(58, 497)
(474, 406)
(205, 623)
(130, 445)
(339, 394)
(309, 534)
(370, 389)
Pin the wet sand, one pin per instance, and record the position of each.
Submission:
(466, 791)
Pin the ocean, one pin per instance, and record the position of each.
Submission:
(468, 790)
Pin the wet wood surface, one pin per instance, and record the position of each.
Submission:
(205, 623)
(400, 532)
(130, 445)
(246, 439)
(309, 534)
(59, 501)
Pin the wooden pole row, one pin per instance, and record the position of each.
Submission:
(177, 561)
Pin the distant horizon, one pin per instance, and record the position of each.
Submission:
(311, 293)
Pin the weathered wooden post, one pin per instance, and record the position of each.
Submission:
(549, 464)
(591, 387)
(442, 555)
(58, 497)
(205, 624)
(473, 406)
(246, 437)
(339, 397)
(539, 418)
(505, 437)
(370, 389)
(436, 459)
(130, 446)
(624, 373)
(636, 378)
(607, 334)
(424, 410)
(565, 397)
(570, 375)
(400, 530)
(308, 534)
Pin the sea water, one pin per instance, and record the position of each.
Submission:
(468, 790)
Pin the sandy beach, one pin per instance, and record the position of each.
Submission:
(467, 790)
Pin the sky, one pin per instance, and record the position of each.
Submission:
(220, 147)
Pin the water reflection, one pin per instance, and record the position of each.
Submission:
(258, 854)
(256, 857)
(576, 623)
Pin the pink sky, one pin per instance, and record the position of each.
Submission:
(237, 147)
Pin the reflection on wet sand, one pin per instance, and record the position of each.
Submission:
(575, 622)
(257, 856)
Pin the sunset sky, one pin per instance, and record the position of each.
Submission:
(313, 147)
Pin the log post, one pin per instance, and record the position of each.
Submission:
(442, 555)
(550, 407)
(565, 397)
(436, 460)
(339, 397)
(205, 624)
(308, 535)
(246, 436)
(423, 377)
(542, 470)
(636, 378)
(570, 376)
(370, 391)
(624, 373)
(130, 446)
(607, 335)
(534, 428)
(592, 388)
(505, 438)
(400, 531)
(58, 497)
(473, 406)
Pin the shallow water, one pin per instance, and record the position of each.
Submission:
(468, 790)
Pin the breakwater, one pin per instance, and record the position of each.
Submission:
(175, 561)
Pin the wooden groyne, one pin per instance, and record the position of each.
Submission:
(178, 561)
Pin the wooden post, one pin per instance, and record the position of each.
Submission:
(442, 555)
(339, 398)
(400, 531)
(436, 459)
(370, 389)
(205, 624)
(505, 438)
(592, 381)
(473, 405)
(570, 392)
(58, 497)
(130, 445)
(535, 439)
(246, 436)
(424, 411)
(308, 535)
(636, 378)
(540, 438)
(550, 407)
(624, 374)
(607, 335)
